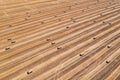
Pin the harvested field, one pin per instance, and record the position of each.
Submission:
(59, 39)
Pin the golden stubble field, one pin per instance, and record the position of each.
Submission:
(59, 39)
